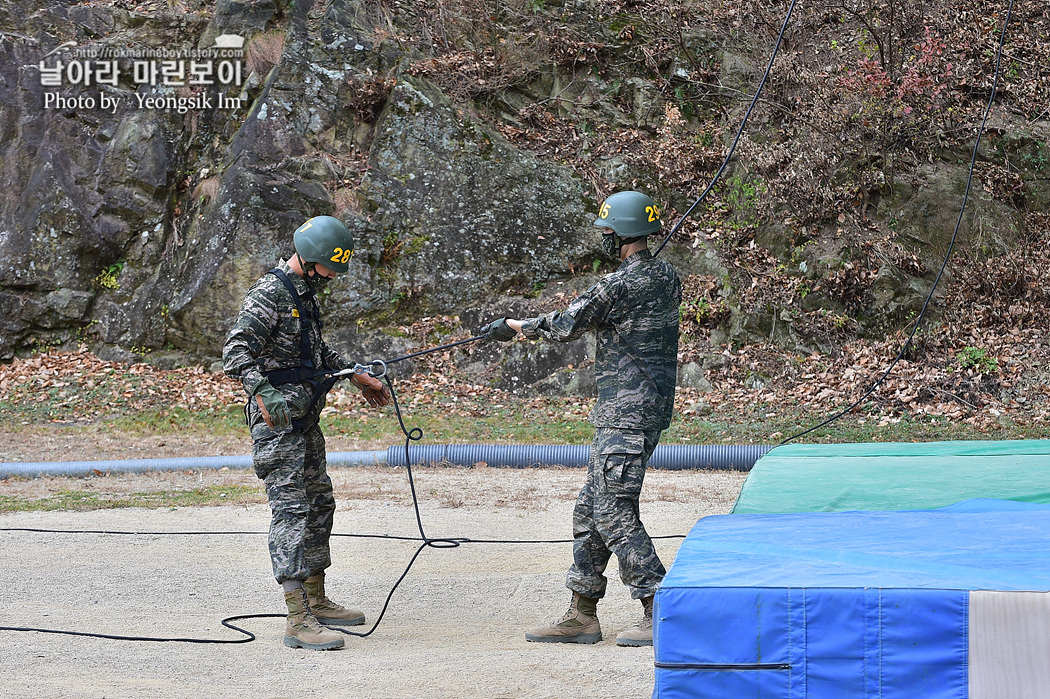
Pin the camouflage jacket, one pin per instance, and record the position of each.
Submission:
(266, 336)
(634, 312)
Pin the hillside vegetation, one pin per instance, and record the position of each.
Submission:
(805, 267)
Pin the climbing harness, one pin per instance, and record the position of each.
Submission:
(320, 380)
(306, 371)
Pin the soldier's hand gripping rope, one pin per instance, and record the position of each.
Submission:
(498, 331)
(374, 392)
(365, 376)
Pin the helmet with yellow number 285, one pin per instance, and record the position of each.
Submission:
(326, 241)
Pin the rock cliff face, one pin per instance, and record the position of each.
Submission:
(135, 213)
(91, 233)
(142, 227)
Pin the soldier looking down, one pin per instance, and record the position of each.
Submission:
(634, 314)
(276, 351)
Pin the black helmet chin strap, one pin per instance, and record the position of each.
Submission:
(307, 267)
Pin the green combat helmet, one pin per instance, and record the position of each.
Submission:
(630, 214)
(324, 240)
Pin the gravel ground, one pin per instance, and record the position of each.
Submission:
(454, 627)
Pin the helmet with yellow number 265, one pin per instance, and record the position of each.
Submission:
(630, 214)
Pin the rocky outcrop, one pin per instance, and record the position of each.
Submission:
(142, 228)
(136, 224)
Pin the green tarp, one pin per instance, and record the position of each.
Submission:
(894, 476)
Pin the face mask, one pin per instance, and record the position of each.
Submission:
(610, 246)
(317, 282)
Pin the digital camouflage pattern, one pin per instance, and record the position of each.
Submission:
(265, 337)
(290, 462)
(293, 468)
(605, 520)
(634, 313)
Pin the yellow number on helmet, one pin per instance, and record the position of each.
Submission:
(654, 213)
(604, 212)
(342, 256)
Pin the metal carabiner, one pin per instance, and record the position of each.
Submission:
(376, 369)
(372, 368)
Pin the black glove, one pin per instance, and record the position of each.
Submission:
(498, 331)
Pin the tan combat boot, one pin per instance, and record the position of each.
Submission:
(642, 633)
(578, 625)
(327, 611)
(303, 630)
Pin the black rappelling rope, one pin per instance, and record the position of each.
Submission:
(428, 351)
(947, 255)
(412, 435)
(739, 132)
(249, 636)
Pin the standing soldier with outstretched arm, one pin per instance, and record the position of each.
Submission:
(276, 351)
(634, 314)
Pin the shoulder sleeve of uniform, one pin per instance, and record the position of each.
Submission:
(664, 273)
(588, 311)
(254, 325)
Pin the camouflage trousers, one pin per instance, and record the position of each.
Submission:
(606, 521)
(293, 468)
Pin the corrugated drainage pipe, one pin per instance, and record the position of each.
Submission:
(723, 457)
(671, 456)
(192, 463)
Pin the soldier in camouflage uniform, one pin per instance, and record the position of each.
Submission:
(276, 351)
(634, 313)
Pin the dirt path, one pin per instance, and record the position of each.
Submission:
(454, 628)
